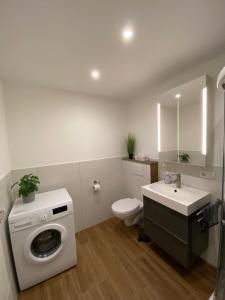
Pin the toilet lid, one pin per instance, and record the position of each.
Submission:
(126, 205)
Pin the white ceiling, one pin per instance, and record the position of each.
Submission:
(57, 42)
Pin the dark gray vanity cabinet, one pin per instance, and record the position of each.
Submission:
(179, 235)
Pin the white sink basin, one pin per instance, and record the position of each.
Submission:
(185, 200)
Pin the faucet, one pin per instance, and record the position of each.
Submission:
(178, 181)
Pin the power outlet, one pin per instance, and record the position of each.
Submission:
(208, 174)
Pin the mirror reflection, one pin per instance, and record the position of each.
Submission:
(183, 123)
(169, 127)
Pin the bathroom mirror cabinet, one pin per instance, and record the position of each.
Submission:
(182, 123)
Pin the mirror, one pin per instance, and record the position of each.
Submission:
(169, 145)
(182, 123)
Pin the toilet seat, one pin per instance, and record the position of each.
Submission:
(126, 206)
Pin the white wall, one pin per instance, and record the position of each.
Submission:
(4, 283)
(4, 151)
(142, 118)
(8, 284)
(49, 126)
(7, 280)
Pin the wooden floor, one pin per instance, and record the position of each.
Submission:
(112, 265)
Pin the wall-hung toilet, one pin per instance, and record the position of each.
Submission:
(128, 209)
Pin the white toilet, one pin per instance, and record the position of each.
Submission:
(128, 209)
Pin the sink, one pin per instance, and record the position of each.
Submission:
(185, 200)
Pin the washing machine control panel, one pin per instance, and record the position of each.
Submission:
(30, 221)
(59, 210)
(45, 215)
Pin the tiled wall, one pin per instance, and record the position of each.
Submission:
(7, 279)
(118, 179)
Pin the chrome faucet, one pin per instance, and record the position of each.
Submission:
(178, 181)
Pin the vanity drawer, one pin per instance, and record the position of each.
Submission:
(166, 218)
(174, 247)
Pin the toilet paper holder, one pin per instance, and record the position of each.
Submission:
(96, 186)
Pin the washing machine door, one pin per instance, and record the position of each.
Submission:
(45, 243)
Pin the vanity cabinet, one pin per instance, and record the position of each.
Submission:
(179, 235)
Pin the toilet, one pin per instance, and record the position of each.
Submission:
(128, 209)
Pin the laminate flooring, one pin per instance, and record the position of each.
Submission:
(113, 265)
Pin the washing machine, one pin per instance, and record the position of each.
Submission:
(42, 236)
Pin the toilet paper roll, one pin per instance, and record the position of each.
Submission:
(96, 187)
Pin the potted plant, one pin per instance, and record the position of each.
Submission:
(130, 143)
(184, 157)
(28, 185)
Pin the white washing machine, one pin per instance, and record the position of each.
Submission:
(42, 236)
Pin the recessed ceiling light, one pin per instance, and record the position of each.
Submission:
(127, 34)
(177, 96)
(95, 74)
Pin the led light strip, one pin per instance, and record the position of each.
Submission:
(158, 126)
(204, 120)
(178, 127)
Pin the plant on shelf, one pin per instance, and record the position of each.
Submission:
(184, 157)
(130, 143)
(28, 185)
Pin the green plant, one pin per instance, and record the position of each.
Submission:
(184, 157)
(130, 143)
(27, 185)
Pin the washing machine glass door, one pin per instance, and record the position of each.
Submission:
(45, 243)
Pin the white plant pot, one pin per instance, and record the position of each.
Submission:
(29, 198)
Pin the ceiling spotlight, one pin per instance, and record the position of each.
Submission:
(128, 34)
(177, 96)
(95, 74)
